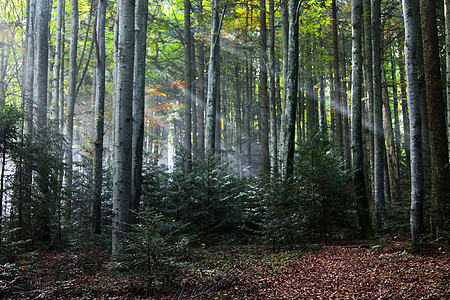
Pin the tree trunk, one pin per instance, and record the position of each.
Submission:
(99, 115)
(405, 113)
(416, 217)
(201, 86)
(213, 74)
(273, 140)
(391, 157)
(68, 130)
(379, 148)
(58, 57)
(440, 174)
(292, 85)
(123, 122)
(42, 213)
(364, 221)
(187, 88)
(140, 52)
(263, 97)
(337, 80)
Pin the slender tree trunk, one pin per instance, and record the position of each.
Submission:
(272, 92)
(345, 109)
(263, 97)
(337, 79)
(99, 115)
(397, 136)
(187, 88)
(391, 157)
(213, 74)
(416, 217)
(405, 112)
(140, 52)
(29, 68)
(123, 122)
(201, 85)
(42, 213)
(379, 148)
(58, 57)
(368, 72)
(285, 35)
(363, 212)
(237, 116)
(68, 130)
(440, 174)
(292, 86)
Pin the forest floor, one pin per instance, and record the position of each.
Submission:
(347, 271)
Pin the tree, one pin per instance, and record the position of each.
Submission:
(68, 130)
(140, 53)
(440, 174)
(40, 100)
(272, 92)
(263, 97)
(213, 79)
(123, 122)
(363, 212)
(416, 217)
(291, 90)
(379, 149)
(99, 115)
(187, 88)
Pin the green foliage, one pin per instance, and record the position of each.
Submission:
(315, 204)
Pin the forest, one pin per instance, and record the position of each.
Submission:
(224, 149)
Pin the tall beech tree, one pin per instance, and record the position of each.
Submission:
(379, 149)
(187, 88)
(140, 53)
(213, 79)
(290, 105)
(123, 122)
(363, 212)
(440, 174)
(72, 86)
(263, 96)
(417, 177)
(99, 115)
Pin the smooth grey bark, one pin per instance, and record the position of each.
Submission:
(345, 109)
(440, 174)
(99, 115)
(273, 140)
(29, 68)
(291, 90)
(200, 94)
(58, 49)
(417, 178)
(40, 81)
(238, 116)
(405, 112)
(263, 96)
(68, 129)
(368, 83)
(362, 205)
(379, 148)
(337, 79)
(213, 80)
(187, 141)
(285, 36)
(395, 100)
(140, 52)
(123, 122)
(391, 158)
